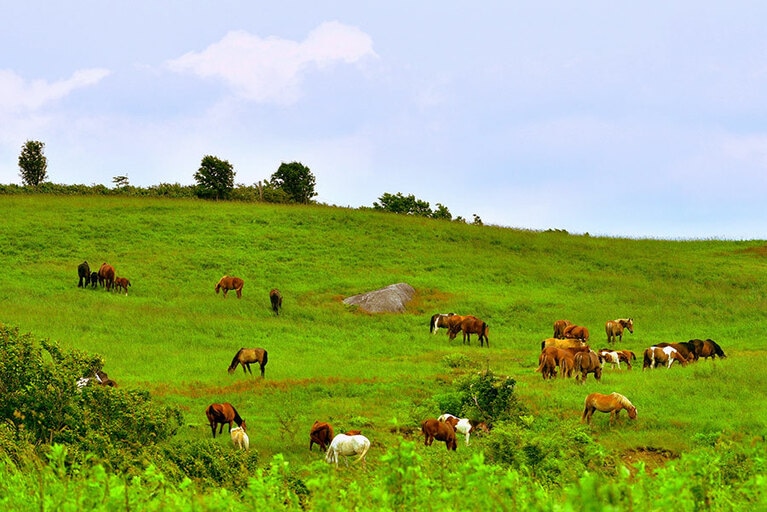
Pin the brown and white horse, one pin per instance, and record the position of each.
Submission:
(439, 320)
(614, 328)
(613, 403)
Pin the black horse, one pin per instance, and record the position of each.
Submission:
(276, 299)
(84, 273)
(94, 279)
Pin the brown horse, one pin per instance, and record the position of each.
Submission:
(122, 283)
(107, 276)
(585, 363)
(613, 403)
(434, 429)
(275, 297)
(547, 365)
(576, 332)
(439, 320)
(559, 328)
(453, 324)
(564, 358)
(706, 349)
(472, 325)
(220, 414)
(247, 356)
(614, 328)
(321, 434)
(227, 283)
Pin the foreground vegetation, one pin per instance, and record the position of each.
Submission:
(698, 442)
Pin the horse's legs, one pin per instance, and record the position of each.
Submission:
(246, 365)
(262, 369)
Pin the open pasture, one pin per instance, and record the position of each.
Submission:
(174, 336)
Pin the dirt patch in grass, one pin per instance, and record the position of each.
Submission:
(652, 457)
(757, 251)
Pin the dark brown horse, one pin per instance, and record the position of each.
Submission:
(434, 429)
(585, 363)
(472, 325)
(227, 283)
(275, 297)
(107, 276)
(614, 328)
(220, 414)
(707, 348)
(321, 434)
(559, 328)
(94, 279)
(84, 273)
(439, 320)
(613, 403)
(576, 332)
(247, 356)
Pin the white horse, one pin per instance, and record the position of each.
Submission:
(460, 425)
(346, 445)
(240, 438)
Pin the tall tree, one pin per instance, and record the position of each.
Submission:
(215, 178)
(296, 180)
(33, 163)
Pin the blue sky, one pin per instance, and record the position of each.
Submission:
(640, 120)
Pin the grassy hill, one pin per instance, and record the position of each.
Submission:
(173, 336)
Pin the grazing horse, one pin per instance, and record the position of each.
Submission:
(346, 446)
(275, 297)
(439, 320)
(107, 276)
(434, 429)
(559, 328)
(122, 283)
(562, 357)
(612, 403)
(247, 356)
(614, 328)
(320, 434)
(84, 273)
(547, 365)
(473, 325)
(616, 357)
(94, 279)
(461, 425)
(585, 363)
(562, 343)
(240, 438)
(221, 414)
(662, 355)
(227, 283)
(706, 349)
(685, 349)
(576, 332)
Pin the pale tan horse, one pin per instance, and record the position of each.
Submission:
(614, 328)
(247, 356)
(613, 403)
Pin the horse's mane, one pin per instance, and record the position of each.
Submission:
(625, 402)
(237, 418)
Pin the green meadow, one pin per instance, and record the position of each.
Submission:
(173, 336)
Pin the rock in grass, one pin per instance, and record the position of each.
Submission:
(391, 299)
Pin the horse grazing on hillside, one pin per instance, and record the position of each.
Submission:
(614, 328)
(221, 414)
(564, 358)
(585, 363)
(107, 276)
(434, 429)
(347, 446)
(472, 325)
(84, 274)
(439, 320)
(706, 349)
(247, 356)
(275, 297)
(227, 283)
(662, 355)
(613, 403)
(576, 332)
(559, 328)
(320, 434)
(122, 283)
(462, 425)
(685, 349)
(240, 438)
(616, 357)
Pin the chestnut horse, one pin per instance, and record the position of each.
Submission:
(275, 297)
(320, 434)
(471, 325)
(246, 356)
(122, 283)
(227, 283)
(562, 357)
(221, 414)
(613, 403)
(434, 429)
(614, 328)
(559, 328)
(106, 276)
(84, 273)
(585, 363)
(576, 332)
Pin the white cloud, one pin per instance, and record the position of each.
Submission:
(17, 94)
(271, 70)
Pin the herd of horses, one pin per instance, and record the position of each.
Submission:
(104, 277)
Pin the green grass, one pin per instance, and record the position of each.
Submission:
(174, 336)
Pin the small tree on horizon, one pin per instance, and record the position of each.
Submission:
(296, 180)
(33, 163)
(215, 178)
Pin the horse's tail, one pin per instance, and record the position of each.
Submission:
(432, 323)
(236, 361)
(265, 359)
(364, 452)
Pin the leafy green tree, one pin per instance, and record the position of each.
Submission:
(296, 180)
(398, 203)
(215, 178)
(33, 163)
